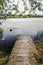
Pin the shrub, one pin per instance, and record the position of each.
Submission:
(39, 36)
(1, 31)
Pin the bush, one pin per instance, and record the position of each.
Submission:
(39, 36)
(1, 31)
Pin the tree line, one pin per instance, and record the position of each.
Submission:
(6, 7)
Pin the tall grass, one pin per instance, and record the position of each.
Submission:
(39, 36)
(38, 41)
(1, 31)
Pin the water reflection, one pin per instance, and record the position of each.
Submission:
(7, 41)
(1, 35)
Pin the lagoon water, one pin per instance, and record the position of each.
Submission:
(24, 25)
(20, 26)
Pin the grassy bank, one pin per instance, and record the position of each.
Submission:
(3, 55)
(3, 58)
(1, 31)
(39, 56)
(38, 41)
(22, 16)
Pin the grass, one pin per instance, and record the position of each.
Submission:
(25, 16)
(1, 31)
(38, 41)
(22, 16)
(39, 57)
(3, 58)
(38, 45)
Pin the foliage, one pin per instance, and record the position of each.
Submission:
(35, 4)
(39, 56)
(39, 46)
(3, 58)
(39, 37)
(5, 6)
(24, 16)
(1, 31)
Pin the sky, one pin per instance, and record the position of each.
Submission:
(21, 7)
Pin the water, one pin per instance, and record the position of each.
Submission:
(7, 41)
(21, 26)
(25, 26)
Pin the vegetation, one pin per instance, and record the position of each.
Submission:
(22, 16)
(3, 58)
(25, 16)
(39, 37)
(1, 31)
(39, 56)
(38, 41)
(6, 7)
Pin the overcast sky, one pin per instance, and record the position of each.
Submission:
(21, 7)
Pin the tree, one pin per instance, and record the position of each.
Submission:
(34, 4)
(15, 7)
(4, 7)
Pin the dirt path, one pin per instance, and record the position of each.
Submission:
(22, 53)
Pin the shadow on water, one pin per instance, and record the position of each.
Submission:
(7, 42)
(1, 35)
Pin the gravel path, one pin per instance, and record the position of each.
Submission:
(22, 52)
